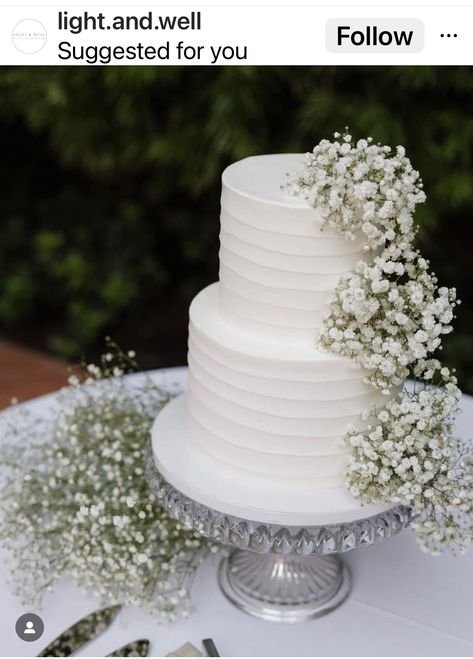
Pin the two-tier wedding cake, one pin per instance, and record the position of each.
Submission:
(265, 406)
(297, 412)
(262, 397)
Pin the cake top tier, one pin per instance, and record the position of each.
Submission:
(260, 178)
(252, 194)
(278, 264)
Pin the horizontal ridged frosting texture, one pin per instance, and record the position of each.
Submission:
(271, 407)
(262, 397)
(277, 264)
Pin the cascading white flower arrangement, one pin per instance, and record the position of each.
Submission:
(388, 315)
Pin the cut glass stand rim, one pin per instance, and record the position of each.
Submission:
(240, 533)
(220, 486)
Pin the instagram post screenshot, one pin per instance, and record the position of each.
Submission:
(236, 329)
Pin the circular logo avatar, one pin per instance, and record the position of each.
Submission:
(29, 627)
(29, 36)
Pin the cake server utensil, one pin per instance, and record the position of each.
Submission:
(81, 633)
(210, 648)
(186, 650)
(138, 648)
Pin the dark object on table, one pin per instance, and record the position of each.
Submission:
(81, 633)
(134, 649)
(210, 648)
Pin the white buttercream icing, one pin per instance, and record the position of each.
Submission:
(270, 406)
(263, 399)
(273, 247)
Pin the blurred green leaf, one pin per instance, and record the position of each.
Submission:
(110, 183)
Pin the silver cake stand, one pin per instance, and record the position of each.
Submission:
(279, 573)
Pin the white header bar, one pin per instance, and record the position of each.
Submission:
(193, 34)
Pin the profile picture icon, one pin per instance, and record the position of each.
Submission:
(29, 627)
(29, 36)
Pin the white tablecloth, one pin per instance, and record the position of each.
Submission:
(403, 602)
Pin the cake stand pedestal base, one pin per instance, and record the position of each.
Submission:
(286, 564)
(284, 588)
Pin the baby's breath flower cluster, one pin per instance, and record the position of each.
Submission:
(388, 315)
(407, 454)
(75, 498)
(360, 186)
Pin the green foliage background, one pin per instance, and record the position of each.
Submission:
(110, 185)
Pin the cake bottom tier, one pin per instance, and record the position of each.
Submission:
(228, 490)
(277, 409)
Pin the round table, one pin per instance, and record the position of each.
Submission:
(403, 603)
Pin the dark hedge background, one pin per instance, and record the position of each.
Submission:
(110, 183)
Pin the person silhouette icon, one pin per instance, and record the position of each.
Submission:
(29, 627)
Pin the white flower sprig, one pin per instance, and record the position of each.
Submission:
(388, 315)
(75, 499)
(407, 454)
(360, 186)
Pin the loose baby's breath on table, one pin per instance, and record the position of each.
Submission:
(75, 499)
(388, 316)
